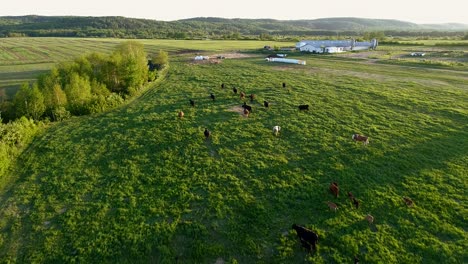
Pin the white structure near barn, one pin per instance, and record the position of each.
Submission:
(293, 61)
(334, 46)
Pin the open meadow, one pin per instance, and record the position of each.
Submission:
(140, 185)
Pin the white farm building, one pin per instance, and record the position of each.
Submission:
(334, 46)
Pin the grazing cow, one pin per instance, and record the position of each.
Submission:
(248, 107)
(276, 130)
(252, 97)
(212, 96)
(369, 218)
(334, 189)
(284, 85)
(181, 114)
(266, 104)
(234, 89)
(332, 206)
(361, 138)
(246, 113)
(192, 102)
(408, 201)
(222, 85)
(303, 107)
(356, 202)
(307, 237)
(207, 133)
(242, 95)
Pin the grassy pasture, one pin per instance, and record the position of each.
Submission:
(139, 185)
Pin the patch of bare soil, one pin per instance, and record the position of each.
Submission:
(186, 51)
(233, 55)
(210, 61)
(361, 54)
(237, 109)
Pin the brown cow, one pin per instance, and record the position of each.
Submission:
(252, 97)
(334, 189)
(408, 201)
(181, 114)
(242, 95)
(361, 138)
(332, 206)
(246, 112)
(369, 218)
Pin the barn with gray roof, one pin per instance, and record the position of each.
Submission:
(334, 46)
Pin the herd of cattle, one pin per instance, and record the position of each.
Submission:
(248, 109)
(307, 237)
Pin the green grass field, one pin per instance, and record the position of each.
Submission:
(139, 185)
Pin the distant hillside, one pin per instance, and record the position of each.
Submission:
(204, 27)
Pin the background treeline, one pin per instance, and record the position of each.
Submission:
(216, 28)
(89, 84)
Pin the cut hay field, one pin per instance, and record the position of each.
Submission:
(138, 185)
(23, 59)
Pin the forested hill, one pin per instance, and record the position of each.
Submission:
(71, 26)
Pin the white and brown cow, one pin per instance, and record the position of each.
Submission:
(361, 138)
(276, 130)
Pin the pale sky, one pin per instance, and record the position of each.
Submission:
(417, 11)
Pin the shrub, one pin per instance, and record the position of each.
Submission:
(14, 136)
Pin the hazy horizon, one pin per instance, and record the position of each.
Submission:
(417, 11)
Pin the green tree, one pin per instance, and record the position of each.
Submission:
(50, 86)
(78, 93)
(161, 59)
(99, 89)
(29, 102)
(132, 66)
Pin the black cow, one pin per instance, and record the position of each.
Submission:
(192, 102)
(212, 96)
(266, 104)
(248, 107)
(234, 89)
(308, 238)
(207, 133)
(356, 260)
(303, 107)
(284, 85)
(222, 85)
(356, 202)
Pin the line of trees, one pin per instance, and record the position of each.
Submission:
(89, 84)
(213, 28)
